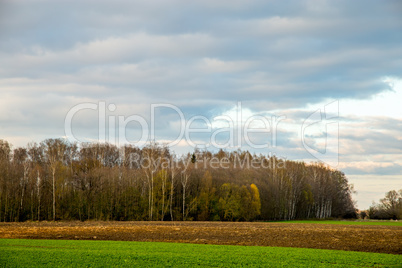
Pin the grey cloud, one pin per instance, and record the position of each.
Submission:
(277, 58)
(202, 56)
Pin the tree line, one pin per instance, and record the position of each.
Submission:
(58, 180)
(389, 207)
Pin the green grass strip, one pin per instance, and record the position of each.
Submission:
(73, 253)
(345, 222)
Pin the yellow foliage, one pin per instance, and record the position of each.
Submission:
(256, 203)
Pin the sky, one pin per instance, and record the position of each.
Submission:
(311, 80)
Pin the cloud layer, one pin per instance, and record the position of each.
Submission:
(285, 58)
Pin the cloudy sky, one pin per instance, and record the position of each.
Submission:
(326, 76)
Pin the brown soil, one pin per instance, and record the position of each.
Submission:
(369, 238)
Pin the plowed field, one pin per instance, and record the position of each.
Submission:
(368, 238)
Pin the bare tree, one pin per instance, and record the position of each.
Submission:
(54, 149)
(184, 181)
(172, 182)
(38, 194)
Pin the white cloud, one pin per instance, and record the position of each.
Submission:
(385, 103)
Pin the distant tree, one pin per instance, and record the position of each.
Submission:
(54, 152)
(390, 207)
(363, 214)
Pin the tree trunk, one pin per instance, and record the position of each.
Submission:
(32, 214)
(38, 181)
(151, 194)
(163, 195)
(54, 193)
(184, 183)
(171, 196)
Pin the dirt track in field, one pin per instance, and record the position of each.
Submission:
(368, 238)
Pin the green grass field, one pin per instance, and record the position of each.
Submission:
(72, 253)
(351, 222)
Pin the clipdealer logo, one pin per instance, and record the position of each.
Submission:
(319, 132)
